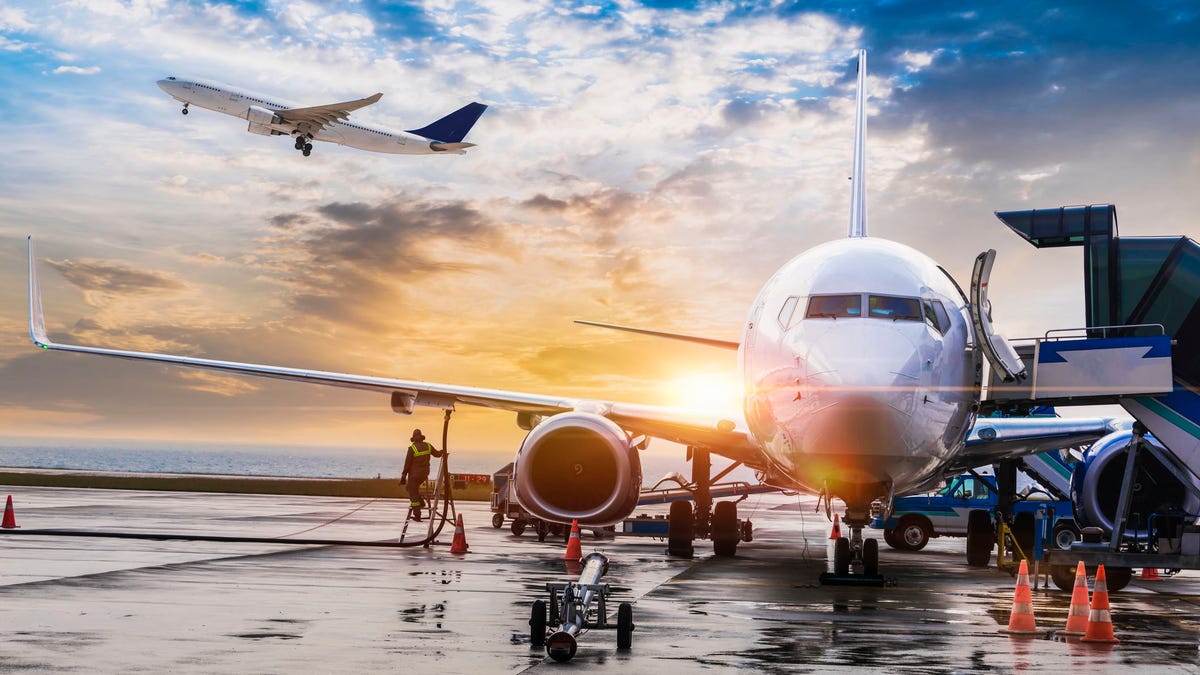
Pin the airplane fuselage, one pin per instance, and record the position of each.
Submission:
(859, 370)
(258, 110)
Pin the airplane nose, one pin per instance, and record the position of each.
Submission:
(167, 85)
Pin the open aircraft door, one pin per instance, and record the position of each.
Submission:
(1002, 357)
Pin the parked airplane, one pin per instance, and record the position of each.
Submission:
(860, 362)
(269, 116)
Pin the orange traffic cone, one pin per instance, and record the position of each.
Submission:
(574, 548)
(1150, 574)
(836, 532)
(10, 519)
(1021, 621)
(1099, 626)
(459, 544)
(1077, 616)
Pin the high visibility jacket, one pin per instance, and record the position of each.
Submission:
(418, 456)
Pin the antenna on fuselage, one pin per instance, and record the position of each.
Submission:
(858, 186)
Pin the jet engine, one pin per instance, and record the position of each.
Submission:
(1096, 486)
(261, 116)
(578, 465)
(263, 130)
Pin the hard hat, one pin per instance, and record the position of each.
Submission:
(417, 436)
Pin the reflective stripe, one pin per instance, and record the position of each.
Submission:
(420, 452)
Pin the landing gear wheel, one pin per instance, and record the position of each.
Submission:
(841, 557)
(725, 532)
(537, 623)
(980, 538)
(184, 111)
(680, 528)
(307, 149)
(497, 520)
(1065, 535)
(518, 527)
(299, 142)
(871, 557)
(624, 626)
(913, 533)
(889, 536)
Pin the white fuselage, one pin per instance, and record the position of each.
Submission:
(859, 370)
(239, 103)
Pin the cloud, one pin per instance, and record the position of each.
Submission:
(76, 70)
(98, 276)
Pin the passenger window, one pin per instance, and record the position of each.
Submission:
(894, 308)
(834, 306)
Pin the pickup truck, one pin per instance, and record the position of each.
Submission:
(917, 518)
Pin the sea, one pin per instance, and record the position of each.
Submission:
(266, 460)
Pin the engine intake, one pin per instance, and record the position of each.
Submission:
(1096, 485)
(578, 466)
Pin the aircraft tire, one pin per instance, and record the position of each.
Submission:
(980, 538)
(518, 527)
(624, 625)
(871, 557)
(841, 557)
(725, 534)
(680, 530)
(184, 111)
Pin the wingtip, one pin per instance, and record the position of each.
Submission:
(37, 319)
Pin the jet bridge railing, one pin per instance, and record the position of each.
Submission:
(1087, 366)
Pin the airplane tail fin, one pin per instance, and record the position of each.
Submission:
(858, 187)
(453, 127)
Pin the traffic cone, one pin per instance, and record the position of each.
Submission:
(459, 544)
(1150, 574)
(1099, 626)
(836, 532)
(1021, 621)
(574, 548)
(10, 519)
(1077, 615)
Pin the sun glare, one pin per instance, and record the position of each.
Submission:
(706, 391)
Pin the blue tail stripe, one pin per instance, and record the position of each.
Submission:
(453, 127)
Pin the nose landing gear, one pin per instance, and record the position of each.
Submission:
(855, 560)
(185, 110)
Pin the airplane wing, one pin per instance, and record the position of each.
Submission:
(726, 436)
(312, 119)
(996, 438)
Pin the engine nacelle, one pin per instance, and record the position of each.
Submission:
(578, 465)
(263, 130)
(1096, 486)
(261, 116)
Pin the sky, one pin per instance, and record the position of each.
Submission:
(648, 164)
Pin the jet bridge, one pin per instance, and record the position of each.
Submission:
(1141, 345)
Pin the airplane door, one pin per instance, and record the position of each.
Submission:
(1002, 357)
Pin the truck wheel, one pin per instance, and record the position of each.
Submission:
(680, 528)
(517, 527)
(1063, 577)
(624, 626)
(1117, 578)
(914, 532)
(725, 532)
(497, 520)
(1065, 534)
(980, 538)
(889, 536)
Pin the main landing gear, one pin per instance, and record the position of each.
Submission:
(304, 144)
(855, 560)
(706, 521)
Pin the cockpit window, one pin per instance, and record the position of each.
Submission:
(936, 316)
(894, 308)
(788, 313)
(834, 306)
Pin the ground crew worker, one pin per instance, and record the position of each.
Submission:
(416, 470)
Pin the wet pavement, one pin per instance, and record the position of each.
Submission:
(107, 605)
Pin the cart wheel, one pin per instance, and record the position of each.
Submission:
(517, 527)
(542, 530)
(624, 626)
(537, 623)
(497, 520)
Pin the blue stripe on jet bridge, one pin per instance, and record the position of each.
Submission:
(1181, 407)
(1159, 347)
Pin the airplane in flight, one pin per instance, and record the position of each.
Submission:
(860, 361)
(271, 116)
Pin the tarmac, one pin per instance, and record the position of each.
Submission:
(99, 604)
